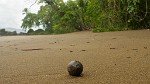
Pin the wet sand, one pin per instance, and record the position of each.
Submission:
(108, 58)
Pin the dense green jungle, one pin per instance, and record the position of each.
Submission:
(57, 16)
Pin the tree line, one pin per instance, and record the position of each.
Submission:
(3, 32)
(56, 16)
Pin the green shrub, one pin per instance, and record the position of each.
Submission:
(100, 30)
(57, 29)
(115, 29)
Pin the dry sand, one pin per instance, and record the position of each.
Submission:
(108, 58)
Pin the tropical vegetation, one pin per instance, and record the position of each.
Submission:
(57, 16)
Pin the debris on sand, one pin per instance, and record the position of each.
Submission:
(75, 68)
(128, 57)
(71, 51)
(112, 48)
(134, 49)
(145, 47)
(114, 38)
(83, 50)
(72, 45)
(33, 49)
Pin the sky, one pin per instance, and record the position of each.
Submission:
(11, 12)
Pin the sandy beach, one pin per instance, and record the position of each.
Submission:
(108, 58)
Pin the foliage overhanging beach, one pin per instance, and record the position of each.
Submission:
(56, 16)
